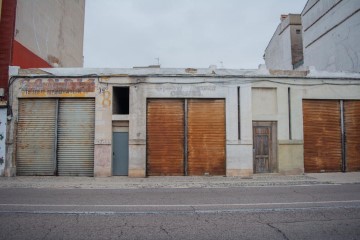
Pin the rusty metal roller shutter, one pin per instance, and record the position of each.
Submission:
(206, 137)
(36, 137)
(322, 135)
(165, 137)
(75, 153)
(352, 129)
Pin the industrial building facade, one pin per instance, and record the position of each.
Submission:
(181, 122)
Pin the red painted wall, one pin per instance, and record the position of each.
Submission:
(12, 53)
(24, 58)
(7, 26)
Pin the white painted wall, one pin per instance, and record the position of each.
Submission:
(331, 35)
(278, 53)
(52, 29)
(283, 46)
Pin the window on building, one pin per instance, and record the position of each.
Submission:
(121, 100)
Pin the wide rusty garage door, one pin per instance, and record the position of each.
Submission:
(331, 135)
(165, 137)
(322, 136)
(352, 133)
(206, 137)
(185, 137)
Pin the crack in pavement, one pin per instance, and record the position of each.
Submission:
(49, 231)
(324, 216)
(164, 230)
(77, 218)
(193, 211)
(196, 213)
(320, 220)
(278, 230)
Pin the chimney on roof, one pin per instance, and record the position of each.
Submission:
(283, 17)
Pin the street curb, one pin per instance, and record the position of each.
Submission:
(264, 180)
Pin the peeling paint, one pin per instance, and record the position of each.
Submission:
(101, 88)
(191, 70)
(46, 94)
(57, 86)
(105, 79)
(106, 99)
(102, 141)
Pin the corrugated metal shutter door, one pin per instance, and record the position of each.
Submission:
(206, 137)
(36, 137)
(322, 136)
(165, 137)
(76, 137)
(352, 129)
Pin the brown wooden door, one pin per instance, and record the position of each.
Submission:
(165, 137)
(352, 130)
(206, 137)
(322, 135)
(264, 144)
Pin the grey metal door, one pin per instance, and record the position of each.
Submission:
(76, 123)
(120, 153)
(36, 137)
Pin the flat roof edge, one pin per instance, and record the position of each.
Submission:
(183, 72)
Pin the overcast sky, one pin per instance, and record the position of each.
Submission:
(181, 33)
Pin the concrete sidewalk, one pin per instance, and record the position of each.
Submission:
(178, 182)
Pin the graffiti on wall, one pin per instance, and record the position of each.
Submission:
(57, 86)
(3, 112)
(102, 90)
(102, 141)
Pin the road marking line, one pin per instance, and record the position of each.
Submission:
(173, 205)
(179, 212)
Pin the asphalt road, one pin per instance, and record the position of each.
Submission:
(287, 212)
